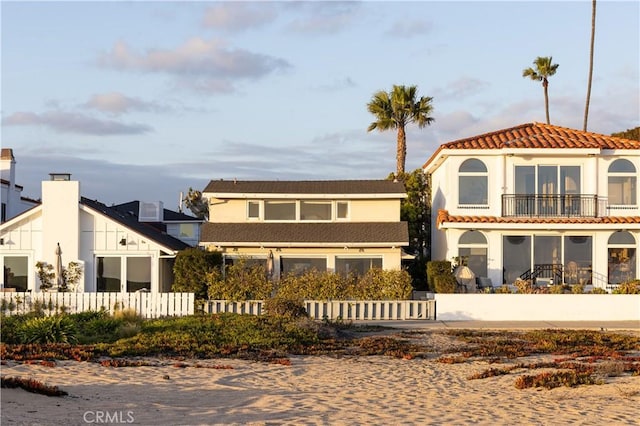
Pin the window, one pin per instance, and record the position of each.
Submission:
(622, 248)
(622, 183)
(357, 265)
(110, 272)
(472, 183)
(556, 190)
(472, 248)
(253, 209)
(342, 209)
(187, 230)
(315, 210)
(138, 273)
(279, 210)
(16, 272)
(299, 265)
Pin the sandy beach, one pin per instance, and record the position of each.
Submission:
(312, 390)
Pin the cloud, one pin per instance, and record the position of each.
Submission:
(117, 103)
(236, 17)
(408, 29)
(337, 84)
(67, 122)
(461, 88)
(327, 17)
(206, 63)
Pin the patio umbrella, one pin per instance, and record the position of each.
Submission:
(59, 277)
(466, 277)
(270, 264)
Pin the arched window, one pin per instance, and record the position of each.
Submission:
(623, 187)
(472, 183)
(472, 248)
(622, 257)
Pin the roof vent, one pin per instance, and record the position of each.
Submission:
(60, 176)
(151, 212)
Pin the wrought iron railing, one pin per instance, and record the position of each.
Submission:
(551, 271)
(573, 205)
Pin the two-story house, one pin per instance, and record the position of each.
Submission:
(124, 248)
(538, 201)
(345, 226)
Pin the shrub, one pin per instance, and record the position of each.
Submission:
(557, 289)
(313, 284)
(436, 268)
(191, 268)
(629, 287)
(577, 288)
(54, 329)
(284, 307)
(445, 283)
(524, 286)
(503, 289)
(45, 274)
(598, 290)
(241, 281)
(378, 284)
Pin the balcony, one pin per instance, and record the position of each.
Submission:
(569, 205)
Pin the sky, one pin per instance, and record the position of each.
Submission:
(142, 100)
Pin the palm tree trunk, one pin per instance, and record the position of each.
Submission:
(545, 85)
(593, 36)
(401, 151)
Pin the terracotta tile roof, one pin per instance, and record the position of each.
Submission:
(539, 135)
(384, 233)
(444, 216)
(306, 187)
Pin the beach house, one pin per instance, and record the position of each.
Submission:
(540, 202)
(125, 248)
(345, 226)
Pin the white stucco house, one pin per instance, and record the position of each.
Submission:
(122, 248)
(540, 202)
(12, 201)
(341, 226)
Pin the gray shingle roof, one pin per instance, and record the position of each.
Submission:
(306, 187)
(318, 233)
(130, 221)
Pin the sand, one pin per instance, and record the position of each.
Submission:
(313, 390)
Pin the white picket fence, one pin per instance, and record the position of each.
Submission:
(340, 309)
(148, 305)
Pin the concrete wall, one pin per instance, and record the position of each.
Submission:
(538, 307)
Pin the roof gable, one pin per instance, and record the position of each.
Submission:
(131, 221)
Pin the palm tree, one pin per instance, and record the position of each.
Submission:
(593, 36)
(543, 70)
(396, 109)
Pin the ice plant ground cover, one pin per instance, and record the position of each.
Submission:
(539, 358)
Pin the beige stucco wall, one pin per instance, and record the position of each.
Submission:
(366, 210)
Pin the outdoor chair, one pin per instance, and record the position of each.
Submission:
(483, 283)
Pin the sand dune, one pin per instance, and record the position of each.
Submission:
(312, 390)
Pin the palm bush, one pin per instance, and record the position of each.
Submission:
(53, 329)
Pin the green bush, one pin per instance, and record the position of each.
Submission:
(241, 281)
(53, 329)
(436, 268)
(191, 268)
(380, 284)
(445, 283)
(598, 290)
(286, 308)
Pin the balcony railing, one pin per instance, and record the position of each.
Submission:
(573, 205)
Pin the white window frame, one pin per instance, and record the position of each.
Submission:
(336, 216)
(260, 209)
